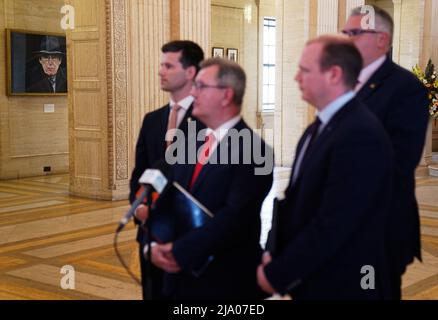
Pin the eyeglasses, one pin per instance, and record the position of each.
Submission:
(201, 86)
(45, 59)
(357, 32)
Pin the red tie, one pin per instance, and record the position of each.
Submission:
(203, 158)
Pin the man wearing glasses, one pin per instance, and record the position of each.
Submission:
(53, 79)
(399, 100)
(219, 259)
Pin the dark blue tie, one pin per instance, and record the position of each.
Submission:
(311, 135)
(313, 132)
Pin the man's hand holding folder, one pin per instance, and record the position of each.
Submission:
(162, 257)
(168, 220)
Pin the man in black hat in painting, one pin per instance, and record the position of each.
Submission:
(53, 78)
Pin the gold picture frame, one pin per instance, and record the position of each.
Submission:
(36, 63)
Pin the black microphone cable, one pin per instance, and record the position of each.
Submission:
(119, 256)
(120, 227)
(163, 167)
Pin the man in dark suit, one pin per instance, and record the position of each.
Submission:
(56, 83)
(219, 259)
(53, 78)
(179, 65)
(330, 226)
(400, 102)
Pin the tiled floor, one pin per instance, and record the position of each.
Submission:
(42, 229)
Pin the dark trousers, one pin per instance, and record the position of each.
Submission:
(151, 279)
(396, 282)
(398, 261)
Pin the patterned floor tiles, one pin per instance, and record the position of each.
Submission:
(43, 231)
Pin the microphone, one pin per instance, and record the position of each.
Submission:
(151, 179)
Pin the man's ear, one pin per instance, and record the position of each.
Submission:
(335, 75)
(191, 72)
(383, 40)
(228, 96)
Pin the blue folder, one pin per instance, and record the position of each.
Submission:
(175, 214)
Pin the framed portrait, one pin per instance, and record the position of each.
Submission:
(232, 54)
(36, 63)
(217, 52)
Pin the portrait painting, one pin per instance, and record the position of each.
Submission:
(37, 63)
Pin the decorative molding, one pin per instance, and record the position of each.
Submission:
(117, 89)
(110, 97)
(121, 90)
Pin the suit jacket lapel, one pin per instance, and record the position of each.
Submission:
(187, 118)
(163, 126)
(376, 80)
(189, 166)
(208, 167)
(324, 135)
(297, 152)
(183, 174)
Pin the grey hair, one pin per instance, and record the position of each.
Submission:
(384, 21)
(230, 74)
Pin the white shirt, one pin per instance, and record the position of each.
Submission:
(332, 108)
(185, 105)
(368, 71)
(219, 135)
(220, 132)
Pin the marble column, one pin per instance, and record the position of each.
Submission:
(291, 114)
(114, 55)
(190, 20)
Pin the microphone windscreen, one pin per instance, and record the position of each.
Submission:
(166, 170)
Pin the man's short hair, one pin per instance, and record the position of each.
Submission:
(341, 52)
(191, 52)
(230, 74)
(384, 21)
